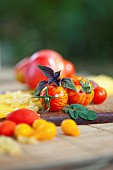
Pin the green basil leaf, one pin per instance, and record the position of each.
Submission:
(83, 115)
(66, 110)
(91, 115)
(73, 114)
(76, 110)
(77, 107)
(88, 115)
(68, 83)
(47, 103)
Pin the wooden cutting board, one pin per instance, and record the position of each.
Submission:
(104, 112)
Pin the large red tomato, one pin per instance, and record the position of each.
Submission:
(69, 68)
(21, 69)
(47, 58)
(84, 94)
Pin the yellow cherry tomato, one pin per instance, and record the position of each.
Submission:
(77, 132)
(46, 132)
(69, 127)
(39, 122)
(23, 129)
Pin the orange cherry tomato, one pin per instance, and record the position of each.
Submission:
(38, 122)
(84, 94)
(46, 131)
(59, 97)
(69, 127)
(24, 129)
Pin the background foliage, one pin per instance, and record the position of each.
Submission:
(81, 30)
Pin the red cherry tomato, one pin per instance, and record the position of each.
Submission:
(47, 58)
(100, 95)
(23, 116)
(61, 99)
(7, 128)
(84, 93)
(69, 68)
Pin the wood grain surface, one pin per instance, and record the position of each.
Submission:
(104, 112)
(92, 150)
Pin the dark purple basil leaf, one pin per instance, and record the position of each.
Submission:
(68, 83)
(57, 75)
(50, 80)
(40, 87)
(47, 71)
(57, 82)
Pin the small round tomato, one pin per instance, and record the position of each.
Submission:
(24, 129)
(100, 95)
(7, 128)
(69, 127)
(69, 68)
(84, 94)
(23, 116)
(59, 97)
(46, 131)
(38, 122)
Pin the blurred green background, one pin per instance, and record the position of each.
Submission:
(80, 30)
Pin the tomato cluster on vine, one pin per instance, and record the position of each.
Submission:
(56, 93)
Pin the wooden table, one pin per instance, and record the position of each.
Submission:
(92, 150)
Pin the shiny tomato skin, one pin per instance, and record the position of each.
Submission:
(100, 95)
(21, 69)
(34, 75)
(47, 58)
(61, 99)
(7, 128)
(79, 97)
(23, 116)
(46, 53)
(69, 68)
(76, 79)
